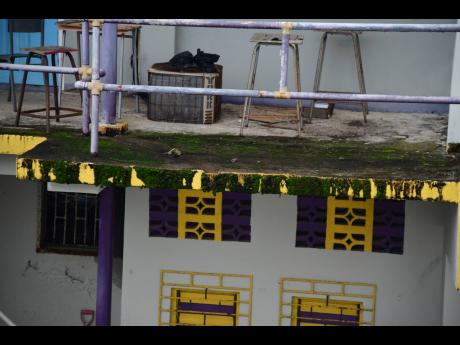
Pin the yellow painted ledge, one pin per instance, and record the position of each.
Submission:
(11, 144)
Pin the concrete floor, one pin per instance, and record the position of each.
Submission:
(411, 127)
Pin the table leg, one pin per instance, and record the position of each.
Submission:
(61, 64)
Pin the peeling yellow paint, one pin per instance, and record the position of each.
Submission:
(119, 127)
(350, 192)
(196, 181)
(428, 192)
(136, 181)
(283, 187)
(18, 144)
(86, 174)
(390, 192)
(21, 172)
(451, 192)
(52, 176)
(448, 191)
(36, 168)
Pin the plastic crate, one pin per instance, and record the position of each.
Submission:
(182, 107)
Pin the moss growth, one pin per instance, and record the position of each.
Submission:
(306, 186)
(66, 172)
(166, 179)
(108, 175)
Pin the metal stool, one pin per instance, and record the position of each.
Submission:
(359, 70)
(129, 31)
(261, 39)
(42, 54)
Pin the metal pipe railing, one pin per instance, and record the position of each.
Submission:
(345, 97)
(85, 62)
(42, 68)
(95, 85)
(95, 94)
(264, 24)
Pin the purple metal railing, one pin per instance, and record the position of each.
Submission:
(95, 86)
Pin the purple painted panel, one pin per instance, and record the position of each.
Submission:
(236, 217)
(327, 319)
(311, 222)
(163, 213)
(388, 235)
(206, 308)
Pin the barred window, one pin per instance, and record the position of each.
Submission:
(204, 299)
(70, 222)
(198, 307)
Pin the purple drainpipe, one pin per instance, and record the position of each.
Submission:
(104, 256)
(85, 61)
(109, 64)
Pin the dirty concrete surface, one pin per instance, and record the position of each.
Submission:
(344, 124)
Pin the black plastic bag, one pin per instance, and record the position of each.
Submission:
(183, 60)
(201, 60)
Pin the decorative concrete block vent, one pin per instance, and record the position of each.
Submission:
(349, 224)
(193, 214)
(184, 107)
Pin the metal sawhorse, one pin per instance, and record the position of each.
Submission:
(261, 39)
(359, 69)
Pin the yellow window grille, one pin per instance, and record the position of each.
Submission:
(199, 215)
(349, 224)
(308, 302)
(204, 308)
(204, 299)
(325, 312)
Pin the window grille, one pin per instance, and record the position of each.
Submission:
(70, 222)
(350, 224)
(194, 214)
(307, 302)
(204, 299)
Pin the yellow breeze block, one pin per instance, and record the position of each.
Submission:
(11, 144)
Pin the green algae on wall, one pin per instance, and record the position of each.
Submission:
(104, 175)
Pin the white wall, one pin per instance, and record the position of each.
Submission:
(451, 312)
(410, 286)
(42, 294)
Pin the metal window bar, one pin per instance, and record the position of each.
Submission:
(95, 85)
(77, 232)
(220, 286)
(314, 291)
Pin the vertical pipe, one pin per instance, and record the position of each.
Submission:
(95, 96)
(120, 94)
(104, 256)
(109, 64)
(284, 59)
(85, 61)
